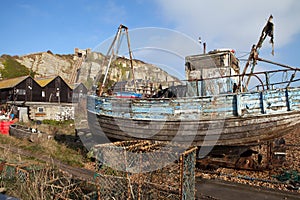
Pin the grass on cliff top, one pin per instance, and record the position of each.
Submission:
(12, 68)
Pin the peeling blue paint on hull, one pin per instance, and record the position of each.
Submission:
(228, 119)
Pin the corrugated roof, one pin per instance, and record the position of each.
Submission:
(44, 81)
(12, 82)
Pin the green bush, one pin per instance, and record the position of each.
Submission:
(56, 123)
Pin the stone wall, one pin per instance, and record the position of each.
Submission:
(51, 111)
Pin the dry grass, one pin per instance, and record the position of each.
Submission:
(39, 185)
(47, 183)
(35, 189)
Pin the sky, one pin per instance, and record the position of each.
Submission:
(158, 29)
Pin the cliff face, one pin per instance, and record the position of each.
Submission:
(49, 64)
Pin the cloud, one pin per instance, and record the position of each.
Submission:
(221, 24)
(231, 23)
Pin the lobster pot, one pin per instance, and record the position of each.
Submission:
(137, 170)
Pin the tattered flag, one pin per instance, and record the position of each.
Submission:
(269, 31)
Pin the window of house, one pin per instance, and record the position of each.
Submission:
(57, 92)
(43, 94)
(40, 109)
(21, 91)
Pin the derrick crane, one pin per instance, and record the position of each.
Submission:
(268, 30)
(112, 52)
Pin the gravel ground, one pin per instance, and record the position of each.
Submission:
(265, 178)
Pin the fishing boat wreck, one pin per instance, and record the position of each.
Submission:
(216, 107)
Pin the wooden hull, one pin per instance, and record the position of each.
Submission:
(233, 131)
(243, 119)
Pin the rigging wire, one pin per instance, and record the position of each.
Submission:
(244, 55)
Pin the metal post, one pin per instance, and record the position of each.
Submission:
(267, 80)
(269, 153)
(181, 160)
(130, 56)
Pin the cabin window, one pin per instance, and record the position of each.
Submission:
(188, 66)
(21, 91)
(43, 94)
(40, 109)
